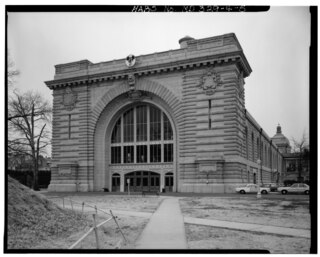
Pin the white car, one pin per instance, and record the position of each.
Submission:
(295, 188)
(252, 188)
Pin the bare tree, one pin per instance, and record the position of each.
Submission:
(29, 115)
(301, 150)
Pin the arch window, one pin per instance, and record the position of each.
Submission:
(142, 134)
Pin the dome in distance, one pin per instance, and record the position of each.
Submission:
(281, 141)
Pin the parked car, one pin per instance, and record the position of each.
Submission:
(273, 186)
(295, 188)
(252, 188)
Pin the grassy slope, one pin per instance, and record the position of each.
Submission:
(33, 219)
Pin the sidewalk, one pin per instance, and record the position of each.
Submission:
(165, 229)
(306, 233)
(250, 227)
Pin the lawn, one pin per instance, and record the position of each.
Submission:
(275, 212)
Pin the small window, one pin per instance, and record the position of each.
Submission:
(155, 153)
(168, 153)
(116, 154)
(142, 154)
(128, 154)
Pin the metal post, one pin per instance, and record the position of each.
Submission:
(118, 225)
(128, 182)
(95, 230)
(258, 193)
(71, 204)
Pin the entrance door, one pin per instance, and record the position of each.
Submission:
(115, 182)
(169, 182)
(142, 181)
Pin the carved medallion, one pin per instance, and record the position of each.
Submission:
(69, 99)
(130, 60)
(209, 82)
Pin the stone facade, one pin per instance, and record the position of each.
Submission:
(199, 88)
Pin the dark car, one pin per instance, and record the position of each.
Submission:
(273, 187)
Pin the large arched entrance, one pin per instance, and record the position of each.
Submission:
(142, 181)
(141, 148)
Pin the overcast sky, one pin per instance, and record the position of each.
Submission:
(275, 43)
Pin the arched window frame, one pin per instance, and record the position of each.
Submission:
(154, 147)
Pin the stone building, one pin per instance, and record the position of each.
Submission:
(296, 163)
(173, 121)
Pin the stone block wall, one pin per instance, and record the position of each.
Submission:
(200, 87)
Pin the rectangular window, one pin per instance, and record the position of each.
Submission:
(128, 155)
(116, 154)
(128, 126)
(155, 153)
(168, 153)
(142, 154)
(155, 124)
(141, 123)
(167, 129)
(116, 133)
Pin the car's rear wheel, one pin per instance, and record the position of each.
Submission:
(284, 192)
(264, 192)
(242, 192)
(306, 192)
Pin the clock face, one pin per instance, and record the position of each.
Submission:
(130, 60)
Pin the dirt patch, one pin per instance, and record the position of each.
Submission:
(275, 212)
(204, 237)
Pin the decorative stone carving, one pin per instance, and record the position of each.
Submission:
(207, 167)
(135, 95)
(146, 167)
(131, 82)
(130, 60)
(69, 99)
(209, 82)
(67, 169)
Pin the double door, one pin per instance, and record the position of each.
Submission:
(142, 181)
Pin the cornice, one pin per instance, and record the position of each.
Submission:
(216, 59)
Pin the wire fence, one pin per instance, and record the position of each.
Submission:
(79, 207)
